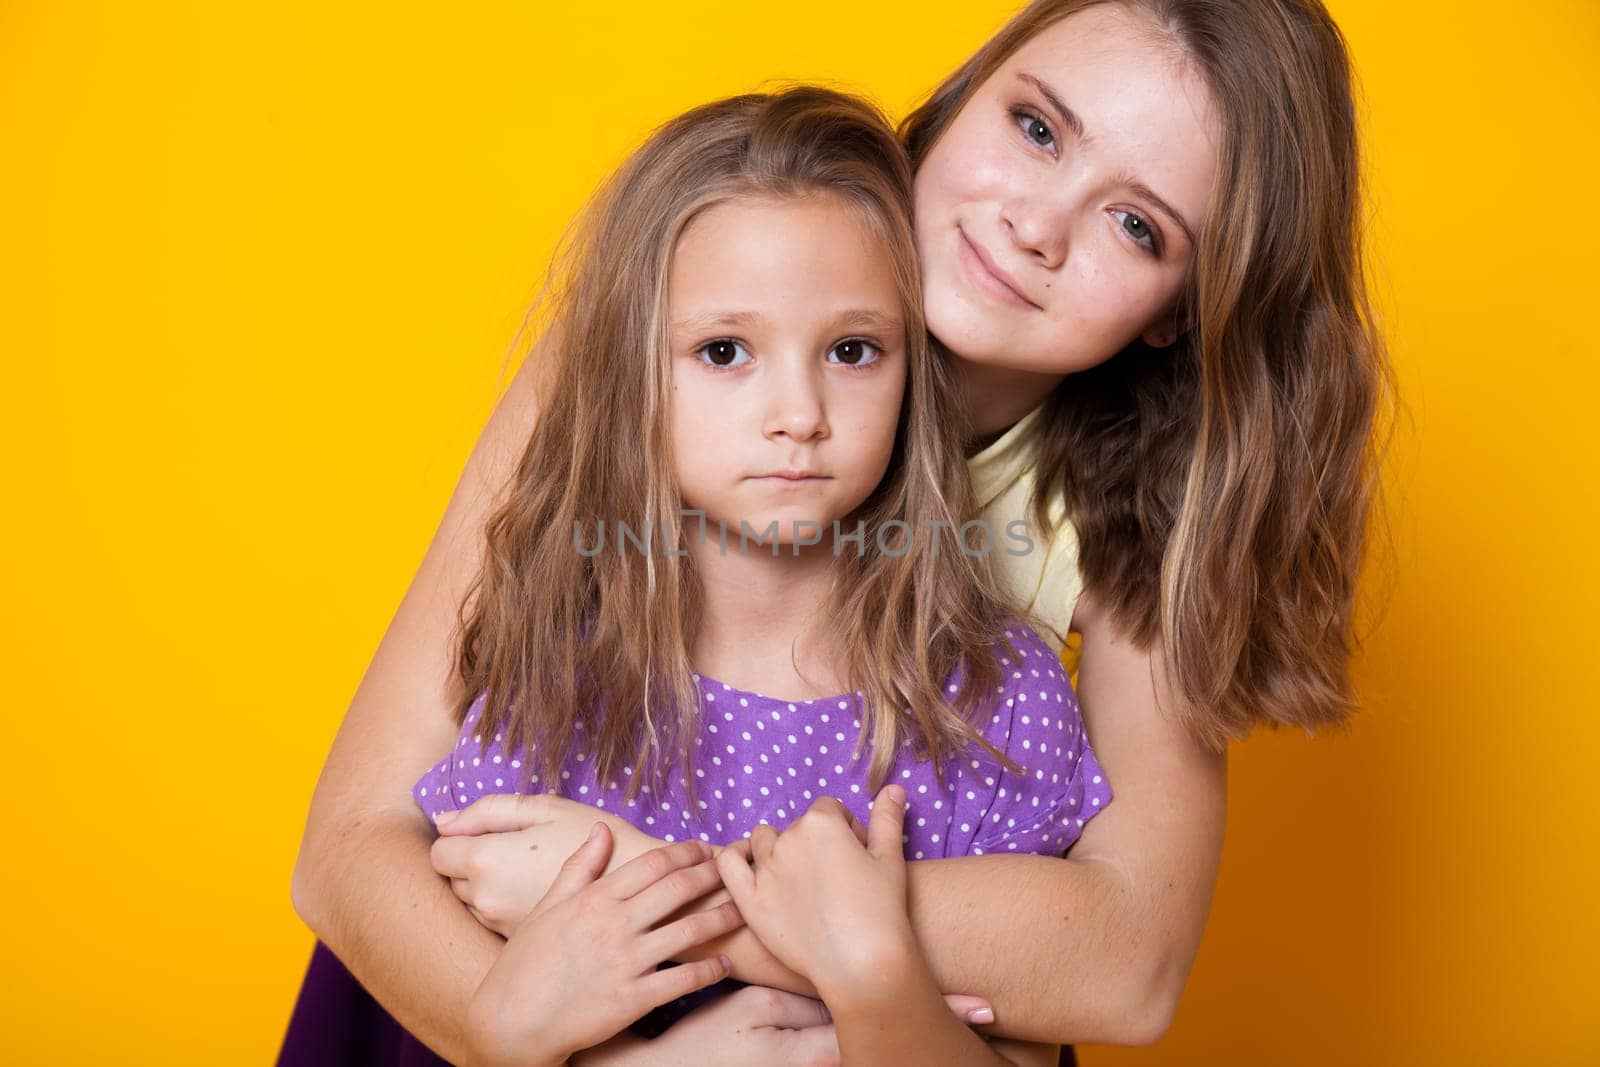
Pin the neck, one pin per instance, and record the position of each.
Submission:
(764, 625)
(998, 397)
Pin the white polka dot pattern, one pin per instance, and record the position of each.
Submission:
(761, 759)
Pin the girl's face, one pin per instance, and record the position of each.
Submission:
(1057, 216)
(788, 359)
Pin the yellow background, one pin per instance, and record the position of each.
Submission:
(261, 261)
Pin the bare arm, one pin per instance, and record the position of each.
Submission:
(1096, 947)
(363, 881)
(896, 1016)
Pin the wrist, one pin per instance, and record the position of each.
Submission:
(877, 978)
(500, 1057)
(618, 1051)
(494, 1040)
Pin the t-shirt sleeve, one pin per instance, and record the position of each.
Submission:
(1035, 720)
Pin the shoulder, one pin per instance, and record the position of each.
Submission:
(473, 768)
(1026, 656)
(1034, 694)
(1037, 569)
(1056, 784)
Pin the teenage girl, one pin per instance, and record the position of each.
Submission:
(1139, 224)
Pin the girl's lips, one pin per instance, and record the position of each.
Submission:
(984, 276)
(781, 480)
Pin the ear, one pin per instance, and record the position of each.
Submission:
(1163, 333)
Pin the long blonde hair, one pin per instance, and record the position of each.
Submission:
(574, 647)
(1221, 488)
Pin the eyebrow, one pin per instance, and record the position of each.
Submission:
(1140, 189)
(849, 319)
(712, 319)
(1068, 117)
(1074, 122)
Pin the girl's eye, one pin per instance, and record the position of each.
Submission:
(1034, 128)
(1138, 229)
(856, 352)
(723, 353)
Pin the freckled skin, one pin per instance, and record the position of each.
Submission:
(1055, 216)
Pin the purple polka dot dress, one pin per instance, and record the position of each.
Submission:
(763, 759)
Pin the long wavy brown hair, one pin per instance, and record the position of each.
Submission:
(1222, 488)
(591, 649)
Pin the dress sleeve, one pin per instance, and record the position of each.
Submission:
(475, 767)
(432, 791)
(1045, 817)
(457, 779)
(1036, 722)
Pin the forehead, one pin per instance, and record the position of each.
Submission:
(1146, 108)
(793, 255)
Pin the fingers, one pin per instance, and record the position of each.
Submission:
(449, 855)
(666, 895)
(668, 985)
(675, 938)
(642, 871)
(887, 823)
(466, 856)
(974, 1011)
(738, 877)
(582, 867)
(827, 809)
(495, 814)
(828, 806)
(762, 838)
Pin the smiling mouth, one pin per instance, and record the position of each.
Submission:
(979, 270)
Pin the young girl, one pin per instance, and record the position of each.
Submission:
(747, 294)
(1139, 224)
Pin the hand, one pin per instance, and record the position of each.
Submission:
(751, 1025)
(582, 965)
(503, 852)
(826, 907)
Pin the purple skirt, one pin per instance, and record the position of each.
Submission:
(337, 1023)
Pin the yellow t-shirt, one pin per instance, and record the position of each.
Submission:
(1045, 578)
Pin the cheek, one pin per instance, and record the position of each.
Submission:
(873, 415)
(929, 217)
(694, 430)
(698, 473)
(972, 170)
(1112, 295)
(697, 396)
(991, 174)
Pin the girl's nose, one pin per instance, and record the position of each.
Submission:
(1038, 227)
(795, 407)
